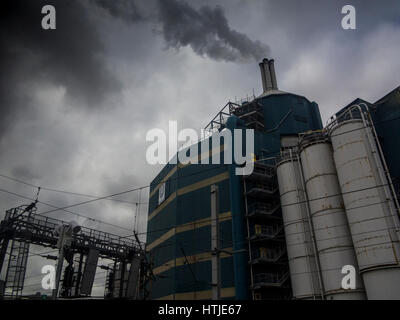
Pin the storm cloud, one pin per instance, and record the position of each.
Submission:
(76, 102)
(70, 57)
(124, 9)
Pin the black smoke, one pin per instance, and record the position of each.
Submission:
(207, 32)
(72, 57)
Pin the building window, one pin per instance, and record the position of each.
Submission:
(161, 194)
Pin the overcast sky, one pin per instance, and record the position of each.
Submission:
(76, 102)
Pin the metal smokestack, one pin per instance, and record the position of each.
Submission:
(267, 72)
(273, 75)
(268, 76)
(261, 64)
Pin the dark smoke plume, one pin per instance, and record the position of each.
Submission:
(207, 32)
(72, 56)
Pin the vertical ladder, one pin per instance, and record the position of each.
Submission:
(383, 170)
(16, 268)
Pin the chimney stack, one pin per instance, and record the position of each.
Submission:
(268, 76)
(273, 76)
(267, 72)
(261, 64)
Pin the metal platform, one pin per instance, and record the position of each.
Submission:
(268, 280)
(22, 226)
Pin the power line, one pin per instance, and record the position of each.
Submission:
(203, 237)
(199, 260)
(111, 195)
(42, 253)
(61, 191)
(287, 205)
(290, 204)
(283, 205)
(131, 190)
(65, 210)
(93, 200)
(140, 188)
(135, 189)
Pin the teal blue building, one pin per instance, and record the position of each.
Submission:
(251, 243)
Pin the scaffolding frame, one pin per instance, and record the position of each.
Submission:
(22, 227)
(269, 273)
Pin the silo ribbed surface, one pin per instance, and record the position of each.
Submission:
(302, 262)
(332, 235)
(369, 208)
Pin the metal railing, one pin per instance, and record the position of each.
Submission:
(271, 278)
(42, 229)
(262, 208)
(269, 254)
(267, 231)
(264, 169)
(264, 186)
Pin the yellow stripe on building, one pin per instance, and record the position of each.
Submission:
(187, 227)
(202, 222)
(200, 257)
(201, 157)
(203, 183)
(162, 206)
(169, 174)
(190, 188)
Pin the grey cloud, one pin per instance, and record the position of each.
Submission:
(70, 57)
(125, 9)
(24, 172)
(309, 20)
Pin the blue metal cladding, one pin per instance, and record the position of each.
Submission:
(284, 114)
(302, 114)
(189, 188)
(386, 117)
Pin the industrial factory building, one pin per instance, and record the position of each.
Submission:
(320, 200)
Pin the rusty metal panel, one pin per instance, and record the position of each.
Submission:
(301, 255)
(369, 208)
(332, 234)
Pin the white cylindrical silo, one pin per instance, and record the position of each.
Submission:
(370, 206)
(302, 261)
(332, 235)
